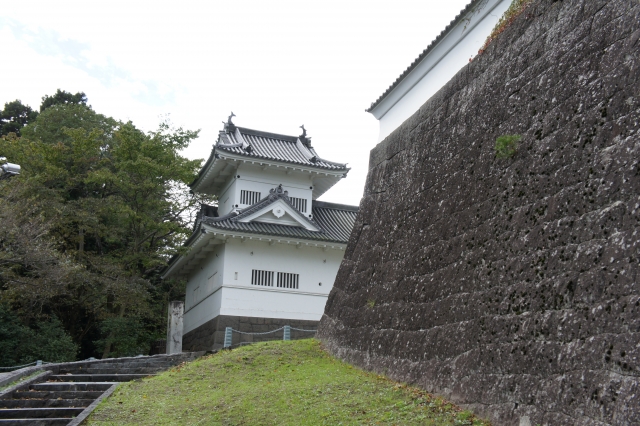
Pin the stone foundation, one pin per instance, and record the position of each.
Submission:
(210, 335)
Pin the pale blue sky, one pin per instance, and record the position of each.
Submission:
(277, 64)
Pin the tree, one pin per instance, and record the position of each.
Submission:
(15, 116)
(45, 340)
(116, 204)
(62, 97)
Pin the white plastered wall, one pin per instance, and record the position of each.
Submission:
(202, 296)
(253, 178)
(438, 67)
(236, 296)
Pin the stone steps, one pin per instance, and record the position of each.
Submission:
(71, 388)
(40, 413)
(55, 395)
(42, 403)
(99, 377)
(157, 366)
(35, 422)
(117, 370)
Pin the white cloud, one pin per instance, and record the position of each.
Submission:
(277, 64)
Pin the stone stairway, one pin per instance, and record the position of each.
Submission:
(67, 393)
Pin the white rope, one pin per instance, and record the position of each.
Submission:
(302, 329)
(266, 332)
(15, 367)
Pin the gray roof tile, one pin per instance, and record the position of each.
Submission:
(271, 146)
(335, 221)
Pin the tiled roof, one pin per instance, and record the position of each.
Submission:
(271, 146)
(335, 221)
(426, 51)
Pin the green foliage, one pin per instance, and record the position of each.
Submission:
(465, 418)
(510, 15)
(11, 332)
(14, 117)
(54, 124)
(49, 341)
(274, 383)
(107, 205)
(62, 97)
(126, 336)
(507, 145)
(45, 340)
(371, 303)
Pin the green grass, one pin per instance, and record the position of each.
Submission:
(274, 383)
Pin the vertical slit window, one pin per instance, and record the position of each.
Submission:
(249, 197)
(299, 203)
(287, 280)
(263, 278)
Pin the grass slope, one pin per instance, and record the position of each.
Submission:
(274, 383)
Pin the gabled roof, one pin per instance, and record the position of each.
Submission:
(277, 201)
(426, 51)
(271, 146)
(334, 221)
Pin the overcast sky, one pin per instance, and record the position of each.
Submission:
(275, 64)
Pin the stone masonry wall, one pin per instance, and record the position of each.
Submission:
(210, 335)
(510, 285)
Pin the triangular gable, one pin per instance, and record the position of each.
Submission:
(279, 213)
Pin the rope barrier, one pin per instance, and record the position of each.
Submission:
(266, 332)
(302, 329)
(228, 334)
(15, 367)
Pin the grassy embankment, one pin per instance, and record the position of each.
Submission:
(274, 383)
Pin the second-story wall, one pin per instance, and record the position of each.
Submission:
(257, 180)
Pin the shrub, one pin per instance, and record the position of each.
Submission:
(45, 340)
(49, 342)
(507, 145)
(125, 336)
(514, 10)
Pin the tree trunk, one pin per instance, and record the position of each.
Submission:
(107, 346)
(81, 240)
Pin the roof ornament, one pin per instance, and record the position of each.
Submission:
(279, 191)
(229, 126)
(304, 138)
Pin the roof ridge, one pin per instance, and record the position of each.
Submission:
(270, 135)
(335, 206)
